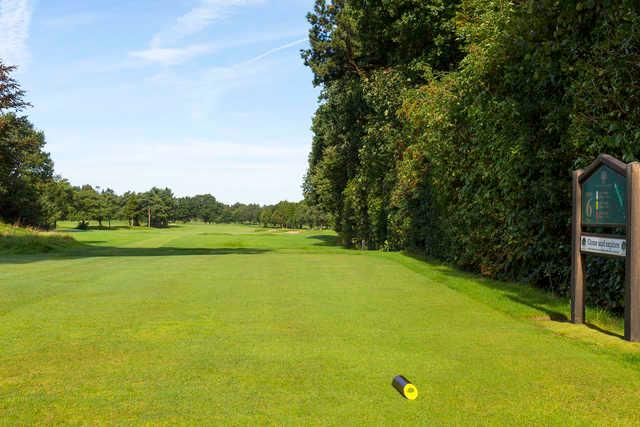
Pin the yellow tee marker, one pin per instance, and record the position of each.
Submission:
(404, 387)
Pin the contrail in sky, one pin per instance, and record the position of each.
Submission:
(274, 50)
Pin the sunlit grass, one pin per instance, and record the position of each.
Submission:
(228, 324)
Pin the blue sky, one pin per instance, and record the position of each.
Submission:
(202, 96)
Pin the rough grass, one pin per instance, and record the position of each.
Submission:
(17, 240)
(222, 324)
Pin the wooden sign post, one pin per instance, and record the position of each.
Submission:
(607, 195)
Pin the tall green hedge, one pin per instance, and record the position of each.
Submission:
(552, 87)
(473, 164)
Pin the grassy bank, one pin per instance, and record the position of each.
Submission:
(18, 240)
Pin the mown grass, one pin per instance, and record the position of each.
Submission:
(224, 324)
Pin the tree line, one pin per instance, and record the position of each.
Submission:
(32, 194)
(451, 127)
(159, 207)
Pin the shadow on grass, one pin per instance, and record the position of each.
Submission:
(325, 240)
(553, 306)
(555, 316)
(104, 228)
(604, 331)
(114, 228)
(82, 250)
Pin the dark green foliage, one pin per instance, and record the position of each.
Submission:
(246, 214)
(351, 38)
(29, 193)
(202, 207)
(56, 199)
(25, 169)
(293, 215)
(365, 54)
(131, 208)
(159, 205)
(471, 160)
(86, 205)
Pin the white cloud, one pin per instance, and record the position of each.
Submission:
(172, 56)
(15, 18)
(199, 18)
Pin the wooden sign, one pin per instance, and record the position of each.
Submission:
(604, 196)
(607, 194)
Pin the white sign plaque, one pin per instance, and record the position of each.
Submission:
(603, 245)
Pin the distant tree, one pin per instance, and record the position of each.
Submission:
(86, 205)
(318, 218)
(301, 215)
(226, 214)
(244, 213)
(110, 205)
(100, 207)
(161, 204)
(56, 199)
(207, 208)
(278, 219)
(131, 209)
(284, 214)
(185, 209)
(265, 217)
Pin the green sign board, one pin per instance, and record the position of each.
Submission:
(604, 198)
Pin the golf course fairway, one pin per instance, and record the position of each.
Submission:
(239, 325)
